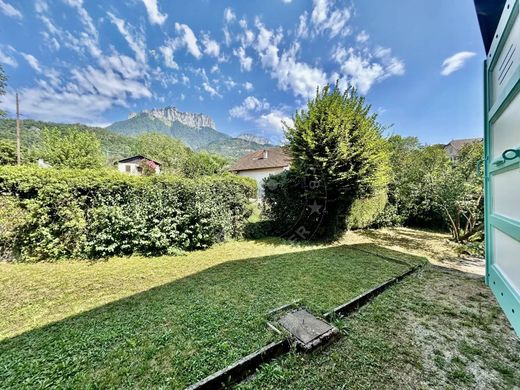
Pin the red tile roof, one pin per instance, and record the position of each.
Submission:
(276, 158)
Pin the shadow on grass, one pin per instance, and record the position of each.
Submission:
(180, 332)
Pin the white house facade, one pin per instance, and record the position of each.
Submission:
(136, 165)
(260, 165)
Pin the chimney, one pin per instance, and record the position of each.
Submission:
(265, 155)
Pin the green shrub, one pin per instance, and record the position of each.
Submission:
(97, 213)
(339, 157)
(12, 217)
(365, 211)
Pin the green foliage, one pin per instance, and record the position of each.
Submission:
(71, 149)
(12, 218)
(339, 156)
(114, 146)
(428, 189)
(7, 152)
(94, 213)
(417, 172)
(204, 164)
(169, 152)
(460, 194)
(3, 85)
(365, 211)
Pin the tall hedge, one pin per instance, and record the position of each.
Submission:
(94, 214)
(339, 162)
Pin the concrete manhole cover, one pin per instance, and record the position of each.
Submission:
(308, 330)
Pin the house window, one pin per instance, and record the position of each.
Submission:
(140, 169)
(128, 168)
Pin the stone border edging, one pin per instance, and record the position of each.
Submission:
(363, 299)
(242, 368)
(239, 370)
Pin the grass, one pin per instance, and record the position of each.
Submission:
(437, 329)
(169, 321)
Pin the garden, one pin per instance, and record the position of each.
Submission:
(113, 281)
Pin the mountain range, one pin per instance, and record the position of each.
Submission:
(197, 131)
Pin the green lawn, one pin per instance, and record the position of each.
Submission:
(437, 329)
(169, 321)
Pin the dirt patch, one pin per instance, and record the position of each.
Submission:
(435, 246)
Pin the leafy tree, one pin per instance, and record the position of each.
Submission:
(204, 163)
(7, 152)
(460, 194)
(71, 148)
(3, 84)
(339, 156)
(171, 153)
(417, 172)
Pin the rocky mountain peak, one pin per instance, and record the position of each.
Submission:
(168, 115)
(253, 138)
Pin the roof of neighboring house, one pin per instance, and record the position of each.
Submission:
(276, 158)
(457, 144)
(137, 158)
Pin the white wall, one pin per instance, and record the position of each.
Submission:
(259, 175)
(122, 167)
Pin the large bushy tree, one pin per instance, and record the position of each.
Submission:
(168, 151)
(71, 148)
(339, 156)
(460, 194)
(204, 164)
(416, 175)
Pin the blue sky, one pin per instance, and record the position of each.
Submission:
(247, 64)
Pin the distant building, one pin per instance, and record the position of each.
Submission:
(454, 146)
(136, 165)
(260, 164)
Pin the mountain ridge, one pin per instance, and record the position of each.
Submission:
(198, 131)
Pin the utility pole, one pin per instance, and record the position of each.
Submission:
(18, 156)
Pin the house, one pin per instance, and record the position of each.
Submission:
(260, 164)
(136, 165)
(454, 146)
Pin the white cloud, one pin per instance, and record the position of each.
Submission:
(209, 89)
(41, 6)
(6, 58)
(274, 121)
(326, 17)
(245, 61)
(168, 51)
(267, 45)
(455, 62)
(85, 93)
(303, 26)
(300, 77)
(248, 86)
(362, 37)
(9, 10)
(363, 69)
(32, 61)
(229, 15)
(188, 39)
(211, 47)
(84, 16)
(131, 36)
(247, 107)
(154, 15)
